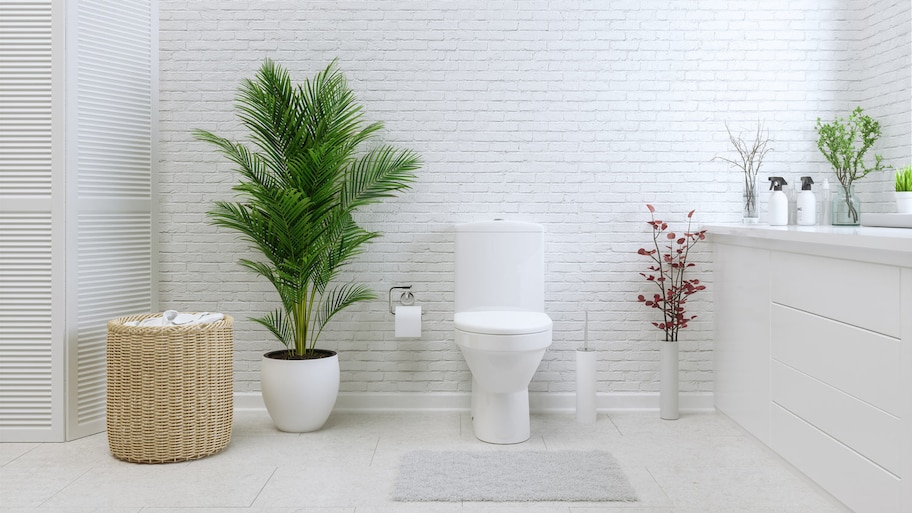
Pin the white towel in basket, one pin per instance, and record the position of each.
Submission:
(174, 318)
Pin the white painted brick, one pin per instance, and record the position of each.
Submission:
(570, 114)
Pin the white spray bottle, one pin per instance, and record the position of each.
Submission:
(807, 203)
(778, 208)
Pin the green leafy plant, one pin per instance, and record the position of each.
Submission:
(302, 178)
(845, 145)
(904, 179)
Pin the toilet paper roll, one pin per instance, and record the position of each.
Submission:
(585, 386)
(408, 321)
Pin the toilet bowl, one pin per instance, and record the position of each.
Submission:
(503, 350)
(500, 324)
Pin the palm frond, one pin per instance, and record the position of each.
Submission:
(250, 166)
(379, 174)
(301, 180)
(266, 107)
(337, 299)
(277, 324)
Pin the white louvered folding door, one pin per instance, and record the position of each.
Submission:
(113, 81)
(77, 98)
(31, 286)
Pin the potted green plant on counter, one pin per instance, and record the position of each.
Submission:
(303, 176)
(845, 145)
(904, 190)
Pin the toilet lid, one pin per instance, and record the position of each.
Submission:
(502, 322)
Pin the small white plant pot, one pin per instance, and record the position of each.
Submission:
(904, 202)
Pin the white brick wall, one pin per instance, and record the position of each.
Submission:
(885, 88)
(572, 114)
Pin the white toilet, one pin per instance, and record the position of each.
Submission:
(500, 323)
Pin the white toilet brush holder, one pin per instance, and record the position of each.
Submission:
(585, 386)
(585, 379)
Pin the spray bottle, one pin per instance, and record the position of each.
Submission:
(825, 204)
(807, 203)
(778, 208)
(792, 203)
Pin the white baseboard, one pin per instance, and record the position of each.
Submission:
(541, 402)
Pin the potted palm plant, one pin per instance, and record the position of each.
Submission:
(303, 175)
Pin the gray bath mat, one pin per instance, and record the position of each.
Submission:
(507, 476)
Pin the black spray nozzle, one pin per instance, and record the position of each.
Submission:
(776, 183)
(806, 182)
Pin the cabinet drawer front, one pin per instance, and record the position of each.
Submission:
(869, 431)
(857, 293)
(862, 364)
(860, 484)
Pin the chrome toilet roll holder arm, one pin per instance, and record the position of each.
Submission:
(405, 299)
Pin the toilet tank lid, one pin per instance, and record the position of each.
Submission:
(502, 322)
(499, 226)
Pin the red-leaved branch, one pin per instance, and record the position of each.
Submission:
(667, 273)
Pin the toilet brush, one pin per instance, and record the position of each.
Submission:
(585, 379)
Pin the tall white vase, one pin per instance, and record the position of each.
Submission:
(668, 393)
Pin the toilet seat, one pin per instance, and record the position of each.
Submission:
(502, 322)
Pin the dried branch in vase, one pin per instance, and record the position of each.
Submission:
(667, 272)
(750, 158)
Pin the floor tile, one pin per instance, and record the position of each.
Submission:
(339, 485)
(249, 510)
(413, 507)
(621, 509)
(72, 509)
(37, 475)
(203, 483)
(30, 487)
(700, 463)
(515, 507)
(9, 452)
(759, 489)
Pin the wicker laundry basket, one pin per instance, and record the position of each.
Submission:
(170, 390)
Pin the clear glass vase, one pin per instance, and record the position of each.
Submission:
(751, 207)
(846, 210)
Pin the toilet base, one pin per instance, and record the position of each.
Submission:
(500, 418)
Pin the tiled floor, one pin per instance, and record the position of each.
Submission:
(702, 463)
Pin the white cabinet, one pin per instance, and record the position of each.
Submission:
(814, 357)
(741, 350)
(77, 128)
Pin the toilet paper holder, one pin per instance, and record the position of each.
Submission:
(405, 299)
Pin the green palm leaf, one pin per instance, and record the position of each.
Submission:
(302, 178)
(339, 298)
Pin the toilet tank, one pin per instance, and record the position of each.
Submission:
(499, 266)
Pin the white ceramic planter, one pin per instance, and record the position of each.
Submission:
(300, 394)
(668, 392)
(903, 202)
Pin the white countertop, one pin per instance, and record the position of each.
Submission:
(891, 245)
